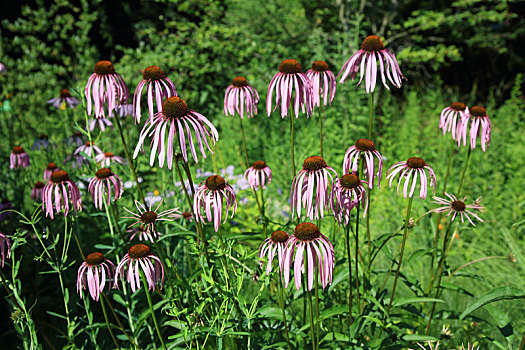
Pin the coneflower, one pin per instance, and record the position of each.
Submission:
(452, 118)
(409, 171)
(273, 246)
(50, 169)
(258, 175)
(5, 247)
(107, 158)
(323, 83)
(364, 149)
(347, 192)
(105, 182)
(241, 98)
(36, 191)
(19, 158)
(64, 99)
(95, 273)
(147, 218)
(139, 257)
(209, 199)
(479, 126)
(58, 192)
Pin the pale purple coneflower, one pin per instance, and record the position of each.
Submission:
(372, 51)
(146, 219)
(104, 182)
(102, 123)
(323, 83)
(58, 192)
(5, 204)
(258, 174)
(3, 69)
(107, 158)
(88, 149)
(139, 257)
(37, 191)
(124, 110)
(409, 171)
(50, 169)
(186, 215)
(310, 188)
(479, 126)
(452, 118)
(308, 249)
(76, 160)
(209, 199)
(64, 99)
(5, 247)
(347, 193)
(366, 150)
(159, 88)
(469, 347)
(105, 86)
(457, 207)
(241, 98)
(430, 346)
(273, 246)
(176, 119)
(42, 142)
(290, 81)
(93, 273)
(19, 158)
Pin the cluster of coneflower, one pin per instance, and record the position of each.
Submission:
(173, 129)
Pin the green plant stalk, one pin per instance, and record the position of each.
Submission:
(371, 116)
(63, 258)
(321, 127)
(463, 172)
(351, 298)
(473, 262)
(292, 145)
(107, 323)
(311, 314)
(281, 302)
(441, 267)
(263, 213)
(440, 216)
(317, 305)
(121, 326)
(92, 335)
(405, 234)
(130, 161)
(433, 277)
(145, 284)
(358, 297)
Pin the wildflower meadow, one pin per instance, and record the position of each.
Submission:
(246, 174)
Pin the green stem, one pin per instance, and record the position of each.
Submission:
(351, 299)
(321, 127)
(121, 326)
(263, 213)
(441, 267)
(291, 145)
(463, 173)
(473, 262)
(311, 315)
(405, 234)
(145, 284)
(356, 260)
(107, 323)
(281, 301)
(317, 306)
(130, 162)
(244, 145)
(371, 117)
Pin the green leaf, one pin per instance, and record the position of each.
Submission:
(334, 310)
(271, 312)
(497, 294)
(404, 301)
(418, 337)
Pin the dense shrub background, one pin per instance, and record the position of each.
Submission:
(464, 50)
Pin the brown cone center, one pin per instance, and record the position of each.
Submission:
(320, 66)
(290, 66)
(478, 111)
(416, 162)
(372, 43)
(138, 251)
(148, 217)
(239, 82)
(43, 137)
(306, 231)
(458, 206)
(153, 73)
(103, 173)
(18, 150)
(39, 185)
(108, 154)
(59, 176)
(260, 164)
(365, 145)
(215, 182)
(314, 163)
(186, 215)
(51, 166)
(279, 237)
(350, 181)
(104, 68)
(65, 93)
(458, 106)
(174, 107)
(94, 259)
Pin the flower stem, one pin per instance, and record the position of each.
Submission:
(405, 234)
(145, 284)
(356, 259)
(351, 298)
(263, 214)
(130, 162)
(317, 306)
(281, 301)
(321, 127)
(244, 145)
(291, 145)
(463, 172)
(441, 266)
(107, 323)
(311, 316)
(371, 117)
